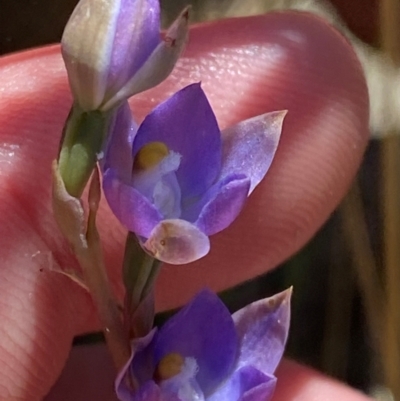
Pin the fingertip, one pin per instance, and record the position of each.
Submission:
(282, 61)
(296, 382)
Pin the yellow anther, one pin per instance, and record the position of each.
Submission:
(169, 366)
(150, 155)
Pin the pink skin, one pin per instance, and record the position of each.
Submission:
(247, 67)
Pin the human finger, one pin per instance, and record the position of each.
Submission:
(278, 61)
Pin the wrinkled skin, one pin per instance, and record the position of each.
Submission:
(247, 67)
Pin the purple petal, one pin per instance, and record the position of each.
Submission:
(249, 147)
(130, 207)
(136, 37)
(160, 63)
(142, 366)
(177, 242)
(139, 366)
(118, 150)
(203, 330)
(262, 392)
(86, 48)
(262, 328)
(248, 384)
(187, 125)
(223, 209)
(147, 392)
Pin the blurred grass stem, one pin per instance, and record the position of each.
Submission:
(390, 40)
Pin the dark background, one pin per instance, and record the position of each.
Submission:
(30, 23)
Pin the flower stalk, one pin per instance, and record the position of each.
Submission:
(85, 242)
(95, 276)
(140, 271)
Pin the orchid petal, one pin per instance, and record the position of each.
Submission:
(220, 211)
(118, 154)
(86, 48)
(123, 381)
(263, 392)
(244, 382)
(142, 365)
(177, 242)
(149, 391)
(187, 125)
(136, 37)
(202, 330)
(130, 207)
(263, 329)
(249, 147)
(160, 62)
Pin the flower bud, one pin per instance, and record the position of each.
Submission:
(113, 49)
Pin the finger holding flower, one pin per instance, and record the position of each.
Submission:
(58, 310)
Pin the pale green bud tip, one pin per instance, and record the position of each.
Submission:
(84, 134)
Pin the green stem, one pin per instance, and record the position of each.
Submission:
(140, 271)
(91, 259)
(107, 307)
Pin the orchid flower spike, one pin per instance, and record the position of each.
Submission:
(176, 180)
(205, 354)
(112, 50)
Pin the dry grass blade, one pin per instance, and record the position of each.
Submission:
(390, 35)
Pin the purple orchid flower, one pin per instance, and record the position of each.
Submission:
(176, 180)
(113, 49)
(205, 354)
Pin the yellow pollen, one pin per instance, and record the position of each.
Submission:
(169, 366)
(150, 155)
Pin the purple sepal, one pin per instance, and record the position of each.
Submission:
(129, 205)
(136, 37)
(246, 383)
(119, 143)
(249, 147)
(125, 382)
(113, 50)
(220, 211)
(160, 62)
(263, 329)
(262, 392)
